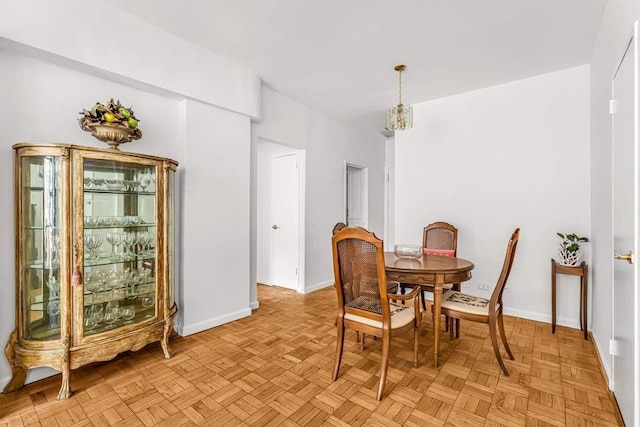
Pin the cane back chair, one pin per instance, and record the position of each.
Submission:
(363, 302)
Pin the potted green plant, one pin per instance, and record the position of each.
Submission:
(570, 250)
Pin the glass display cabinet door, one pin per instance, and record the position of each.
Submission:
(119, 240)
(171, 239)
(40, 207)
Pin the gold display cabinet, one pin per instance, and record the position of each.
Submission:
(94, 259)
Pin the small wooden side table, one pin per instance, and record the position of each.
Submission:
(582, 270)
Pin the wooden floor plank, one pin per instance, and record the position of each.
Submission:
(275, 369)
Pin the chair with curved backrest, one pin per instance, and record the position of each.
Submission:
(391, 285)
(339, 226)
(462, 306)
(363, 302)
(441, 238)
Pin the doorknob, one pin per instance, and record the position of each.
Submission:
(275, 227)
(628, 257)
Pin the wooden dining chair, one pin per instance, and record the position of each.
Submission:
(441, 238)
(363, 302)
(462, 306)
(392, 286)
(339, 226)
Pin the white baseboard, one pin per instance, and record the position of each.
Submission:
(254, 304)
(212, 323)
(540, 317)
(317, 286)
(603, 356)
(263, 281)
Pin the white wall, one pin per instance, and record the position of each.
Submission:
(266, 152)
(615, 30)
(70, 33)
(328, 144)
(215, 220)
(514, 155)
(43, 92)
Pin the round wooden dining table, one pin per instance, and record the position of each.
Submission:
(431, 270)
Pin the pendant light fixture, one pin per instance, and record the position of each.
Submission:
(400, 116)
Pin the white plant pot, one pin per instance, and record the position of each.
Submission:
(571, 259)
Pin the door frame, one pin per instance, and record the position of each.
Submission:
(389, 225)
(631, 43)
(301, 211)
(364, 188)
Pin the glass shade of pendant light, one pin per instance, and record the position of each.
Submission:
(400, 116)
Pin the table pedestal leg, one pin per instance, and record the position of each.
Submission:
(437, 299)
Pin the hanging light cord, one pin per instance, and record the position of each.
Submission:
(400, 87)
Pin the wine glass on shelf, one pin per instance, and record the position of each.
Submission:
(148, 302)
(143, 240)
(128, 239)
(111, 312)
(128, 313)
(97, 311)
(114, 239)
(53, 308)
(144, 179)
(90, 321)
(93, 242)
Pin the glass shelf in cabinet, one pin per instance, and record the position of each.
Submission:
(109, 261)
(124, 192)
(100, 227)
(46, 305)
(44, 332)
(39, 265)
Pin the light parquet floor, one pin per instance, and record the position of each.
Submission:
(274, 369)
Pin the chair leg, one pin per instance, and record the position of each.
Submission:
(416, 345)
(503, 335)
(357, 336)
(362, 342)
(494, 342)
(339, 347)
(451, 327)
(386, 345)
(424, 302)
(456, 287)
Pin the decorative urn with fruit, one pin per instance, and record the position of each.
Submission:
(111, 123)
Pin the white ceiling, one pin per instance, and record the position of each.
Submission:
(337, 56)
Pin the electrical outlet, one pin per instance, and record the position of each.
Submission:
(466, 285)
(483, 287)
(507, 289)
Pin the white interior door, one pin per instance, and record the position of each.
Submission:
(285, 221)
(357, 191)
(625, 239)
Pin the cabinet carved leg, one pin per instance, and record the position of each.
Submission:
(18, 373)
(65, 389)
(168, 325)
